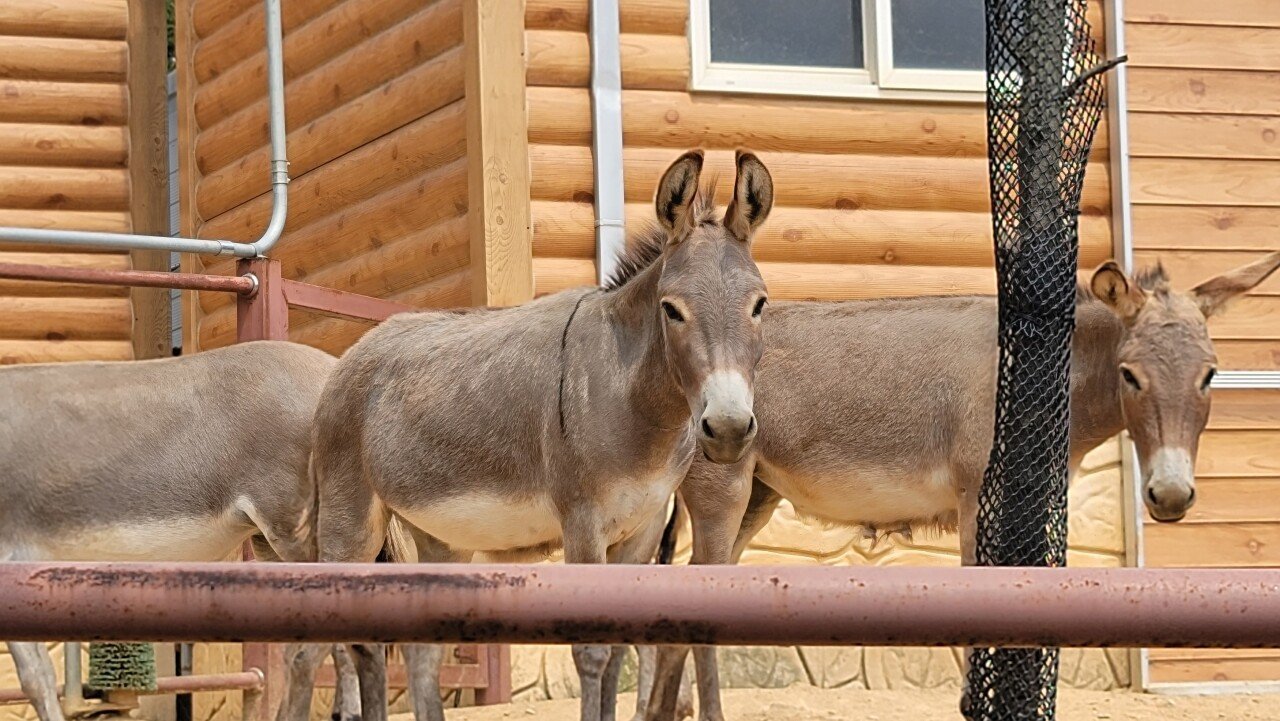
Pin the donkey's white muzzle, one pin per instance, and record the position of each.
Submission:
(727, 425)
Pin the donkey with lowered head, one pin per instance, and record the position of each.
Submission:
(566, 422)
(880, 414)
(158, 460)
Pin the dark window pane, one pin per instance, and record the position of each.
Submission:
(939, 34)
(815, 33)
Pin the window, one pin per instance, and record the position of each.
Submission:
(932, 49)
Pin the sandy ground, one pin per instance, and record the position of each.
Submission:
(807, 703)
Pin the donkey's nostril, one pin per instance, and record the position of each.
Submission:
(706, 429)
(751, 425)
(1151, 496)
(1192, 498)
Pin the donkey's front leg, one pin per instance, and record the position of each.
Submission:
(35, 675)
(584, 542)
(716, 497)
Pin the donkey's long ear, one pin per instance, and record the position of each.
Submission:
(1113, 288)
(676, 194)
(1214, 293)
(752, 196)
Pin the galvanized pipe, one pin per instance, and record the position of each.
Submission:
(241, 285)
(606, 136)
(1016, 607)
(279, 184)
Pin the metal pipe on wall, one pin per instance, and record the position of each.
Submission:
(606, 136)
(279, 183)
(277, 602)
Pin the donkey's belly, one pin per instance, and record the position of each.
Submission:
(479, 521)
(866, 495)
(176, 539)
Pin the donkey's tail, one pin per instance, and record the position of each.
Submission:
(397, 547)
(667, 547)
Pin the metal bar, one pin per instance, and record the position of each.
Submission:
(129, 278)
(1013, 607)
(497, 666)
(74, 690)
(606, 136)
(339, 303)
(241, 681)
(279, 183)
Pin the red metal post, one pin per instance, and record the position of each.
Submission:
(340, 304)
(265, 314)
(496, 660)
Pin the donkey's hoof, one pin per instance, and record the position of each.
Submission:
(335, 716)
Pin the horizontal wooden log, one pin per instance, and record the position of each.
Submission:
(1259, 13)
(649, 62)
(868, 237)
(326, 36)
(83, 146)
(865, 182)
(422, 93)
(1184, 181)
(1173, 135)
(1236, 500)
(37, 101)
(355, 229)
(1189, 268)
(411, 154)
(1252, 355)
(13, 352)
(1188, 227)
(653, 17)
(379, 110)
(1174, 90)
(64, 188)
(99, 19)
(34, 318)
(229, 39)
(101, 220)
(1249, 318)
(1213, 671)
(1203, 47)
(1212, 545)
(1245, 409)
(679, 120)
(63, 59)
(401, 264)
(98, 261)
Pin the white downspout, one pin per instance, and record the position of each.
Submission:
(606, 136)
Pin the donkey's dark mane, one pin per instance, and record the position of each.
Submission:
(645, 247)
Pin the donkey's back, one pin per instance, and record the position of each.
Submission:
(179, 458)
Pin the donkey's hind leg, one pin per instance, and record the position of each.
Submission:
(35, 675)
(422, 661)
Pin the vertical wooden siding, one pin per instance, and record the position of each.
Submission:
(1204, 92)
(873, 198)
(377, 145)
(64, 148)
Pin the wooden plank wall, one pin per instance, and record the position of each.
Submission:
(377, 140)
(1204, 93)
(64, 149)
(873, 198)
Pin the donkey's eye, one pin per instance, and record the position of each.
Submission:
(1208, 378)
(759, 308)
(1131, 379)
(672, 312)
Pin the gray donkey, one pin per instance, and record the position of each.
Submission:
(881, 413)
(562, 422)
(179, 459)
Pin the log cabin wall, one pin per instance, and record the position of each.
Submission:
(77, 77)
(377, 139)
(874, 198)
(1204, 113)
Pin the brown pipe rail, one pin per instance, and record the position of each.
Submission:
(1013, 607)
(241, 285)
(251, 680)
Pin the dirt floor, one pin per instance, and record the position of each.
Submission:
(807, 703)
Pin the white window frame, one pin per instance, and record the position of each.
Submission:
(879, 79)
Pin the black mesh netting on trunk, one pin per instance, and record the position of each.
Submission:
(1044, 100)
